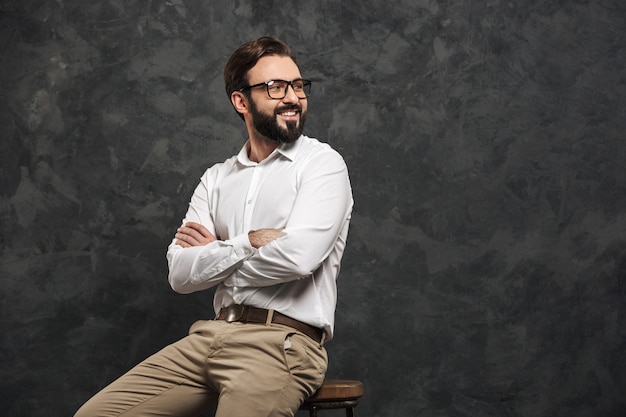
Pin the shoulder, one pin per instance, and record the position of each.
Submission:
(310, 148)
(220, 169)
(318, 156)
(313, 144)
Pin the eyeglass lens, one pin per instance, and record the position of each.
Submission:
(278, 88)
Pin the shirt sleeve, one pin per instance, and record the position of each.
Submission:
(201, 267)
(322, 208)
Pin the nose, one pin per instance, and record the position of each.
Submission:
(290, 95)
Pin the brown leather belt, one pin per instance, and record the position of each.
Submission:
(249, 314)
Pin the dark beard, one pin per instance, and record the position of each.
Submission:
(267, 125)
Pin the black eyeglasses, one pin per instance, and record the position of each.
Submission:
(277, 89)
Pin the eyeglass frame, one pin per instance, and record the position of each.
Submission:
(267, 84)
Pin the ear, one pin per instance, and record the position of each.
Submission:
(240, 102)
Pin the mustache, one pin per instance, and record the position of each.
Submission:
(296, 107)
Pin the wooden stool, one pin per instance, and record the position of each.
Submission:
(334, 394)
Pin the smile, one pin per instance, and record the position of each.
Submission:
(289, 112)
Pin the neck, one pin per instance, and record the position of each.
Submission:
(260, 148)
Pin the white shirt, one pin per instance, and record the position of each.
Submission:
(302, 187)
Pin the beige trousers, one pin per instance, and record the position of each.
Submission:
(250, 370)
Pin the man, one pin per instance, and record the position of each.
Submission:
(267, 228)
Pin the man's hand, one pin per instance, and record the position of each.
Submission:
(193, 234)
(262, 237)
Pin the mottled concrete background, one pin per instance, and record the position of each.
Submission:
(486, 267)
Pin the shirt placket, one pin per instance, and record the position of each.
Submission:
(251, 197)
(248, 210)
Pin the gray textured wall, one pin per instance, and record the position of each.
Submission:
(486, 267)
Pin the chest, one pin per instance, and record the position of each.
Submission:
(254, 197)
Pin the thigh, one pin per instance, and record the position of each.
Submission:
(266, 371)
(169, 383)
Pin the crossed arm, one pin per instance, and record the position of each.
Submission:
(195, 234)
(314, 227)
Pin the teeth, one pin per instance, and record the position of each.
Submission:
(289, 113)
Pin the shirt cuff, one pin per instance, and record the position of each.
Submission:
(242, 245)
(243, 249)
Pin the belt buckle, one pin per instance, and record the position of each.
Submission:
(234, 312)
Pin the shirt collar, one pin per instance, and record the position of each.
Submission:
(288, 150)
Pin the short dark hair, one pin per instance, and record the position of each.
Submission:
(246, 57)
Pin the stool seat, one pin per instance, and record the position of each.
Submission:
(334, 394)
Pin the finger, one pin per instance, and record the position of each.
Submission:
(203, 231)
(182, 243)
(183, 237)
(190, 235)
(193, 237)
